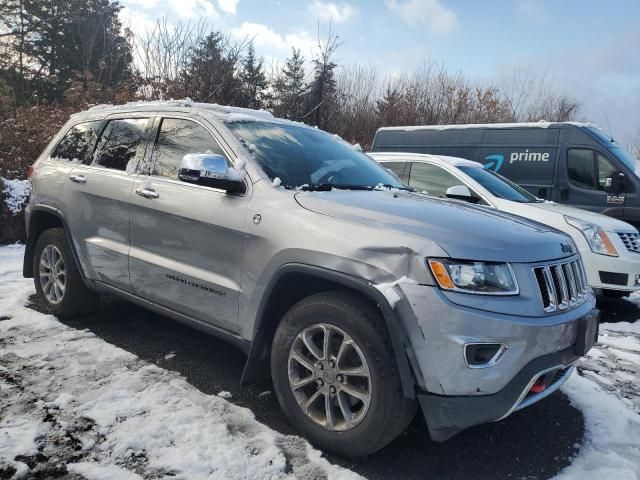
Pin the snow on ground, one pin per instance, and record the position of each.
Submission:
(70, 400)
(16, 193)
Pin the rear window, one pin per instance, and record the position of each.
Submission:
(78, 143)
(119, 143)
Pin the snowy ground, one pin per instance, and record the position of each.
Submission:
(71, 402)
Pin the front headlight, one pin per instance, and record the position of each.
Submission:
(483, 278)
(596, 237)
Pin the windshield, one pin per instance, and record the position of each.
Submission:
(498, 185)
(308, 158)
(626, 158)
(620, 153)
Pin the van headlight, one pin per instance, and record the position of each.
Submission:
(597, 239)
(483, 278)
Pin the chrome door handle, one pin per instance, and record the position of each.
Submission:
(78, 178)
(147, 193)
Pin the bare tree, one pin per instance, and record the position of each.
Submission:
(162, 54)
(533, 97)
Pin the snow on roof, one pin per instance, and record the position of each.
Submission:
(540, 124)
(422, 157)
(221, 110)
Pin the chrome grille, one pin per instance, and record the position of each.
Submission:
(631, 241)
(562, 285)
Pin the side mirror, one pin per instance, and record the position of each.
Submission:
(210, 170)
(461, 192)
(615, 184)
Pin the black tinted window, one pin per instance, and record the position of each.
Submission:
(431, 179)
(589, 169)
(176, 138)
(119, 143)
(582, 171)
(78, 142)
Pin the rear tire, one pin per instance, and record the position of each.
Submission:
(59, 284)
(359, 406)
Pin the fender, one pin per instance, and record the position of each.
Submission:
(27, 265)
(258, 358)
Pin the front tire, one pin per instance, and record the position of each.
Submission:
(336, 377)
(58, 282)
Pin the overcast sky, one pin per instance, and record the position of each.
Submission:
(591, 48)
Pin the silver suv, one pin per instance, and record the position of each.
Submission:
(360, 299)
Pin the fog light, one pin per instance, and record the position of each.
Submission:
(483, 355)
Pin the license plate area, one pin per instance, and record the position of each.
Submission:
(587, 336)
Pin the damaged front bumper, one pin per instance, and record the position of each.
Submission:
(536, 355)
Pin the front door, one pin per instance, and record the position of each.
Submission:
(583, 181)
(187, 241)
(95, 201)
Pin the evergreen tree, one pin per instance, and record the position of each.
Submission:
(322, 92)
(55, 42)
(253, 79)
(290, 88)
(211, 73)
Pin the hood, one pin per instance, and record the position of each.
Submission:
(608, 224)
(464, 231)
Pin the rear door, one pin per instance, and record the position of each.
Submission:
(95, 201)
(582, 180)
(187, 241)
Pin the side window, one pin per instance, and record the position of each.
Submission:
(78, 143)
(588, 169)
(605, 170)
(119, 143)
(396, 167)
(581, 168)
(178, 137)
(432, 179)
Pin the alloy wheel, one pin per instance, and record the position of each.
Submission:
(53, 274)
(329, 377)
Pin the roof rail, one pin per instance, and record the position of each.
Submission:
(185, 103)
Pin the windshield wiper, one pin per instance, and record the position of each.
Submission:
(326, 187)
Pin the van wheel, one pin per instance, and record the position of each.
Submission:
(335, 374)
(59, 286)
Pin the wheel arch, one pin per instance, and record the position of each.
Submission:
(293, 282)
(42, 218)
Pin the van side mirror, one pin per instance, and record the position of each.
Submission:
(615, 184)
(210, 170)
(461, 192)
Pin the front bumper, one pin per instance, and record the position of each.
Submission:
(447, 416)
(454, 395)
(612, 273)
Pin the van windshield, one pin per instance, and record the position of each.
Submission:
(309, 158)
(620, 153)
(499, 186)
(625, 157)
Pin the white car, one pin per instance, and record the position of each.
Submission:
(610, 248)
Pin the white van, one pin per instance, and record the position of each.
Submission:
(610, 248)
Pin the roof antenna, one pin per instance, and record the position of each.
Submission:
(608, 124)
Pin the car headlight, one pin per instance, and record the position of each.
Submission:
(597, 239)
(483, 278)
